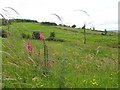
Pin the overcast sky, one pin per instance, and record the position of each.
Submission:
(103, 14)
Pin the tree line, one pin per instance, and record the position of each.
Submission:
(9, 21)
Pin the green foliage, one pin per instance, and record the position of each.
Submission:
(23, 35)
(52, 38)
(94, 65)
(49, 23)
(27, 36)
(3, 33)
(36, 35)
(23, 20)
(52, 34)
(4, 22)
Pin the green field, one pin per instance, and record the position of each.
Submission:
(74, 65)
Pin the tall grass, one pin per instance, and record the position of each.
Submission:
(79, 69)
(74, 65)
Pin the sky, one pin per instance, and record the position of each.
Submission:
(101, 14)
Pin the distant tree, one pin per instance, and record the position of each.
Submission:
(60, 24)
(22, 20)
(64, 25)
(73, 26)
(4, 22)
(105, 32)
(93, 28)
(49, 23)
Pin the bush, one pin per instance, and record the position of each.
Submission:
(52, 38)
(73, 26)
(52, 35)
(49, 23)
(25, 35)
(36, 35)
(4, 34)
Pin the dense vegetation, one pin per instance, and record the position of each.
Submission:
(73, 64)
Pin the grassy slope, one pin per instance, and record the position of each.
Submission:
(92, 65)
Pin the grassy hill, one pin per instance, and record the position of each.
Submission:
(74, 65)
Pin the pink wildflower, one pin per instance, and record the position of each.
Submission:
(29, 47)
(46, 44)
(41, 37)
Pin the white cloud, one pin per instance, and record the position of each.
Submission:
(101, 11)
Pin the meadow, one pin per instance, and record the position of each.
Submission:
(73, 64)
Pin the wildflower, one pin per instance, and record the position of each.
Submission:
(43, 39)
(46, 44)
(45, 55)
(29, 46)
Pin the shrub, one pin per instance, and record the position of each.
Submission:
(3, 34)
(23, 35)
(73, 26)
(49, 23)
(52, 38)
(52, 35)
(36, 35)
